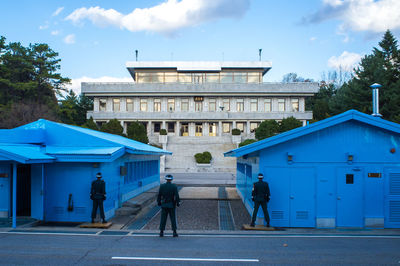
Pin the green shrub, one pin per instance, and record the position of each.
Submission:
(204, 157)
(246, 142)
(163, 131)
(236, 132)
(113, 126)
(266, 129)
(137, 131)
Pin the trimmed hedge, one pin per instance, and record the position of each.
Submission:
(246, 142)
(204, 157)
(236, 132)
(163, 131)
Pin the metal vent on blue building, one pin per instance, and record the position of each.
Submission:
(394, 211)
(278, 215)
(302, 215)
(394, 183)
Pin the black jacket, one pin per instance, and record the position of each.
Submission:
(168, 196)
(260, 191)
(98, 190)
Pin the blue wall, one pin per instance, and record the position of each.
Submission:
(313, 190)
(5, 169)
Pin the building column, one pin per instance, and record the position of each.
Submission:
(248, 128)
(149, 129)
(123, 125)
(96, 104)
(304, 123)
(14, 210)
(219, 128)
(233, 124)
(178, 128)
(206, 130)
(163, 124)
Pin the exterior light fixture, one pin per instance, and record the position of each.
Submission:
(222, 108)
(289, 158)
(350, 158)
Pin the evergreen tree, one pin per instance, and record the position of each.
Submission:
(266, 129)
(113, 126)
(137, 131)
(289, 123)
(90, 124)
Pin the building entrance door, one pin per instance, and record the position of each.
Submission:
(349, 197)
(199, 130)
(213, 129)
(185, 129)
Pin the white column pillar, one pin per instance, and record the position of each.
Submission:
(149, 131)
(247, 128)
(206, 128)
(122, 105)
(233, 124)
(178, 128)
(163, 125)
(96, 104)
(124, 127)
(220, 128)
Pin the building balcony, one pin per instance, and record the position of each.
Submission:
(198, 116)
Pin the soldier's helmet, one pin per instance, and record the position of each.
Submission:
(169, 177)
(98, 175)
(260, 176)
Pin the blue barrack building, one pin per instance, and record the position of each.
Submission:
(46, 170)
(343, 171)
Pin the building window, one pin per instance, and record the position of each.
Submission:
(226, 77)
(225, 104)
(157, 127)
(253, 105)
(171, 105)
(240, 126)
(198, 106)
(295, 105)
(226, 127)
(199, 130)
(212, 129)
(157, 105)
(116, 105)
(349, 179)
(102, 104)
(171, 127)
(281, 105)
(212, 105)
(239, 105)
(143, 105)
(185, 105)
(253, 126)
(185, 129)
(267, 105)
(129, 105)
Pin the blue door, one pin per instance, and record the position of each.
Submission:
(302, 198)
(4, 191)
(349, 197)
(392, 193)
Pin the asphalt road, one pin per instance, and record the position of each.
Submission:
(45, 249)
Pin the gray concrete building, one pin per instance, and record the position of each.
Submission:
(198, 103)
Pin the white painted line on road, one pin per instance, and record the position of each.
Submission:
(185, 259)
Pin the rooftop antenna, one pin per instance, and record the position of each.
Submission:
(136, 52)
(259, 53)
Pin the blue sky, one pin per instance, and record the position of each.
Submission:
(94, 39)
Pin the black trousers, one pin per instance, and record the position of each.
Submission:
(98, 203)
(164, 215)
(265, 210)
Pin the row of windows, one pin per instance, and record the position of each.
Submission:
(136, 171)
(212, 128)
(198, 107)
(223, 77)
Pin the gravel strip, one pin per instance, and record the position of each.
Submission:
(240, 214)
(191, 215)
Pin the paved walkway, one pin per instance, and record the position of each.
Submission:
(202, 179)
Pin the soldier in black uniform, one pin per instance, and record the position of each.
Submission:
(168, 199)
(260, 196)
(98, 195)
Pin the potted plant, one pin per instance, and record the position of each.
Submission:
(236, 137)
(162, 138)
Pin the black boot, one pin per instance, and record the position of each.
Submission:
(175, 234)
(161, 233)
(252, 225)
(104, 221)
(92, 221)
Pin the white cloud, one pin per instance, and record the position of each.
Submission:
(167, 17)
(360, 15)
(45, 26)
(58, 11)
(55, 32)
(346, 61)
(312, 39)
(75, 84)
(69, 39)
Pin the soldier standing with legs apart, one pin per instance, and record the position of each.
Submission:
(168, 199)
(260, 196)
(98, 195)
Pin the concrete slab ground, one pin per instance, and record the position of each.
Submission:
(202, 179)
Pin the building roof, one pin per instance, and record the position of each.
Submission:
(197, 66)
(53, 141)
(254, 89)
(301, 131)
